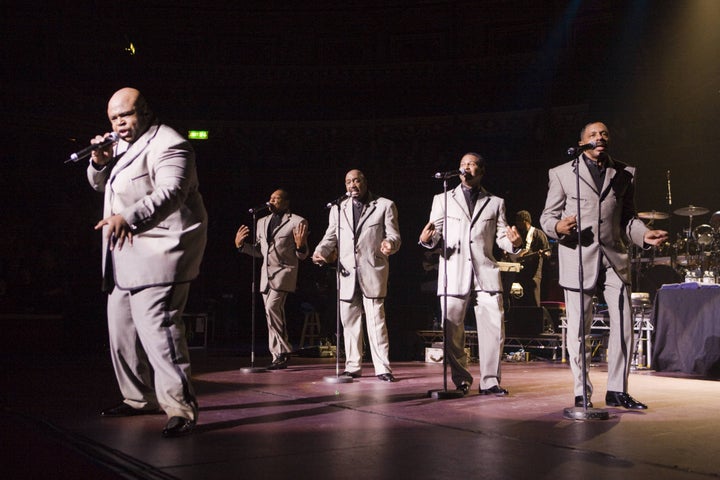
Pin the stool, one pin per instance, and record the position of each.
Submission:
(641, 308)
(311, 328)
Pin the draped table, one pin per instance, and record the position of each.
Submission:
(686, 317)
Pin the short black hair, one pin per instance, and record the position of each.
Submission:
(523, 215)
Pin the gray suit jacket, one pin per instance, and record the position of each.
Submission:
(280, 259)
(154, 186)
(469, 240)
(360, 258)
(607, 219)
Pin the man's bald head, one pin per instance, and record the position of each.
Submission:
(129, 113)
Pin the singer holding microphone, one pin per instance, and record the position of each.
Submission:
(153, 234)
(475, 222)
(608, 224)
(369, 234)
(281, 242)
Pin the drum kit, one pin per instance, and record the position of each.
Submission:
(694, 255)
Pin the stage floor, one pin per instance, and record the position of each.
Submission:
(293, 424)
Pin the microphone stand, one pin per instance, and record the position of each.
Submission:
(337, 378)
(582, 413)
(252, 368)
(445, 393)
(673, 247)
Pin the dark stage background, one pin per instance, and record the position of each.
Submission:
(294, 94)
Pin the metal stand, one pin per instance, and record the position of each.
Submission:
(582, 413)
(337, 378)
(252, 368)
(445, 394)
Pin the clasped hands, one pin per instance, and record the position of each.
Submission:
(511, 232)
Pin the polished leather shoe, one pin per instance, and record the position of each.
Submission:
(351, 374)
(496, 390)
(125, 410)
(579, 402)
(279, 363)
(386, 377)
(178, 427)
(622, 399)
(463, 388)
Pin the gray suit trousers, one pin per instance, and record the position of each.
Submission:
(149, 349)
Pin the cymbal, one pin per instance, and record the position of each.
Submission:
(654, 215)
(691, 211)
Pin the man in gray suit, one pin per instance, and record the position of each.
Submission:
(281, 242)
(368, 235)
(475, 222)
(608, 223)
(154, 234)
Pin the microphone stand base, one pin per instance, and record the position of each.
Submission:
(579, 413)
(338, 379)
(253, 370)
(445, 394)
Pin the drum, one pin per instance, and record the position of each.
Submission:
(656, 255)
(704, 236)
(715, 221)
(640, 299)
(685, 243)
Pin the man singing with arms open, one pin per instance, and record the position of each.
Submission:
(368, 235)
(281, 241)
(475, 222)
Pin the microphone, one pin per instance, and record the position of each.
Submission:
(573, 151)
(338, 200)
(85, 152)
(259, 208)
(451, 173)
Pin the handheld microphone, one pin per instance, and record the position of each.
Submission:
(259, 208)
(85, 152)
(451, 173)
(338, 200)
(573, 151)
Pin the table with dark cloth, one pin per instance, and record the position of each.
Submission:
(686, 317)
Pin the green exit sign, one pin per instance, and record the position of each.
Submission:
(198, 134)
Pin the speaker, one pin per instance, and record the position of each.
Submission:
(524, 321)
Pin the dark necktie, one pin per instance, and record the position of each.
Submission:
(471, 196)
(273, 224)
(357, 213)
(598, 173)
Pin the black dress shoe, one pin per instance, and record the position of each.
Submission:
(125, 410)
(579, 402)
(496, 390)
(351, 374)
(622, 399)
(279, 363)
(177, 427)
(386, 377)
(463, 388)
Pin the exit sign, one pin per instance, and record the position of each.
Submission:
(198, 134)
